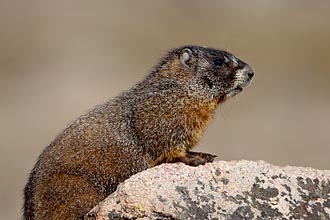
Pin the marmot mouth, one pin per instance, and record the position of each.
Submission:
(238, 89)
(234, 91)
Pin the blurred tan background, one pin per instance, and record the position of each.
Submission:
(60, 58)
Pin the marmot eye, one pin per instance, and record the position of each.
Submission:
(218, 62)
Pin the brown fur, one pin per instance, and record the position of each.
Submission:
(159, 120)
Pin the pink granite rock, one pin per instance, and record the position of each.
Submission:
(220, 190)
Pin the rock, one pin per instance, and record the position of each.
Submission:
(220, 190)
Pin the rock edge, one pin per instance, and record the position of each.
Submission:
(220, 190)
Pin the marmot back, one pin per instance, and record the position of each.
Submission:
(158, 120)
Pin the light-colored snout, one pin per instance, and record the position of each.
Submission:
(244, 77)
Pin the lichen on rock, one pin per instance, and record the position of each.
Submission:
(220, 190)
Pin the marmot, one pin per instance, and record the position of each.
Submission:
(157, 121)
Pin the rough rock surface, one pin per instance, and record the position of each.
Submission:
(220, 190)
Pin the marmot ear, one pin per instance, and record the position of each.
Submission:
(185, 56)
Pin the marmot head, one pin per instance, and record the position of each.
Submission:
(207, 72)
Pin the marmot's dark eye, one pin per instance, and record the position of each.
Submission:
(218, 62)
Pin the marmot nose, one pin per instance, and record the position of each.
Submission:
(250, 74)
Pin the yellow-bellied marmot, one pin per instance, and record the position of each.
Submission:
(158, 120)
